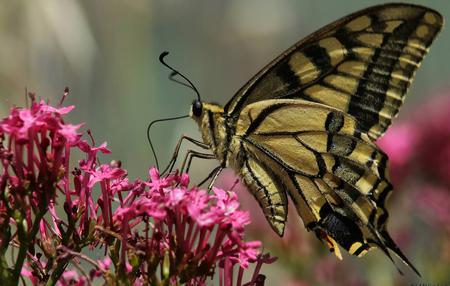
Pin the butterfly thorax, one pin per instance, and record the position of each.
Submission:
(213, 128)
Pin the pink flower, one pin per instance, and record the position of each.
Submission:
(226, 271)
(25, 272)
(103, 266)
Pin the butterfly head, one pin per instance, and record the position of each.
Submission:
(200, 110)
(196, 108)
(210, 119)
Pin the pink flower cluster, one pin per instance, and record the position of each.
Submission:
(34, 147)
(187, 231)
(154, 232)
(34, 143)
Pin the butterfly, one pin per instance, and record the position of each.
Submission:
(305, 126)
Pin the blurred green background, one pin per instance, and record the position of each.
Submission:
(107, 53)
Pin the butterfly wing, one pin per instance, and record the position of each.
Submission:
(361, 64)
(337, 179)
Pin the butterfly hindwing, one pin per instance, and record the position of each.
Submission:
(267, 188)
(337, 180)
(362, 64)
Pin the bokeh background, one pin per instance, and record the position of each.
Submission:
(107, 53)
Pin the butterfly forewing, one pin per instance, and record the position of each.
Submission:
(362, 64)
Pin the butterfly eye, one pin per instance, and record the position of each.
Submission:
(197, 108)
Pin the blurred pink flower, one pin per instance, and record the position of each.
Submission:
(330, 271)
(296, 282)
(433, 121)
(434, 202)
(419, 148)
(326, 270)
(71, 278)
(400, 144)
(25, 272)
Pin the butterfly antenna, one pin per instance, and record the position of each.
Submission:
(172, 78)
(148, 134)
(175, 72)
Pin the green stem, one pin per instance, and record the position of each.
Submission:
(24, 240)
(5, 273)
(59, 270)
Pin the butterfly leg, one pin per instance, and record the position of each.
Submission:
(214, 174)
(177, 150)
(194, 154)
(214, 178)
(190, 154)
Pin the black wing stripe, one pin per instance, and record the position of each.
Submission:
(262, 116)
(334, 122)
